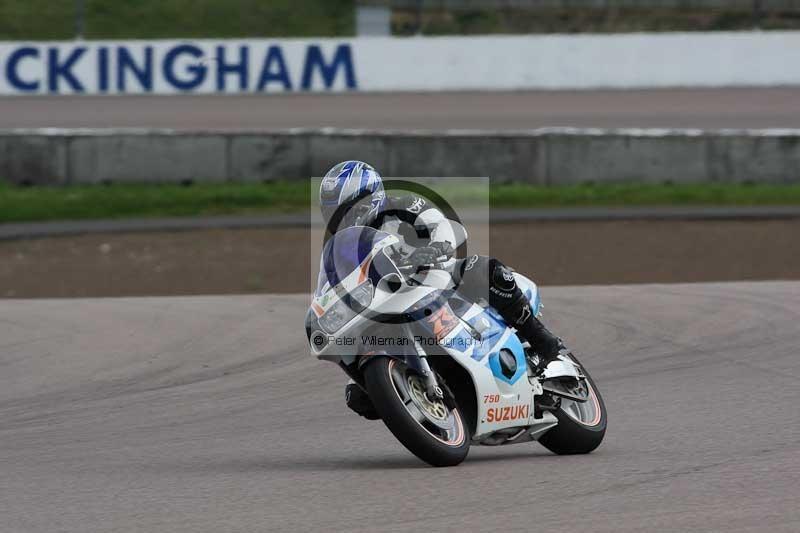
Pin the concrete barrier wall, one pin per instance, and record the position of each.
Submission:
(545, 156)
(502, 62)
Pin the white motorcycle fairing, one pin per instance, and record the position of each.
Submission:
(474, 336)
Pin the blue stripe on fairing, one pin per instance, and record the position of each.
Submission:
(536, 301)
(489, 335)
(515, 346)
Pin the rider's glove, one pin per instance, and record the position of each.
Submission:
(445, 248)
(427, 255)
(424, 255)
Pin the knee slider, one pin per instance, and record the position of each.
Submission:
(474, 269)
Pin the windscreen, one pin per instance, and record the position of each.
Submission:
(344, 252)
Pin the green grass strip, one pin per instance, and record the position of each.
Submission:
(18, 204)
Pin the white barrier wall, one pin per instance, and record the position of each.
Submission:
(723, 59)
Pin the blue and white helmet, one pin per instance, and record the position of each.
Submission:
(346, 184)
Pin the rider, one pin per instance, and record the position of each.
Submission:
(352, 193)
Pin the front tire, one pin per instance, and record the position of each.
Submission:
(433, 431)
(580, 428)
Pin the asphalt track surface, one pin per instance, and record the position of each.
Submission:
(31, 230)
(664, 108)
(209, 414)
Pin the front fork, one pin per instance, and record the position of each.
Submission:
(418, 361)
(432, 389)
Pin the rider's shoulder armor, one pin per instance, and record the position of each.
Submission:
(410, 203)
(406, 208)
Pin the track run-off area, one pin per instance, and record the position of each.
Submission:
(208, 413)
(657, 108)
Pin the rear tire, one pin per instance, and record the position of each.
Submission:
(572, 436)
(388, 383)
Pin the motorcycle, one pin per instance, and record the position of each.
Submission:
(443, 373)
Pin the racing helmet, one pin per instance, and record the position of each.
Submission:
(346, 185)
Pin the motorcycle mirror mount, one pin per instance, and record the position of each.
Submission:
(390, 283)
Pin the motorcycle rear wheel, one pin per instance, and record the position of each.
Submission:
(432, 431)
(581, 427)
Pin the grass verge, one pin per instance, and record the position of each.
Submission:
(23, 204)
(176, 19)
(577, 19)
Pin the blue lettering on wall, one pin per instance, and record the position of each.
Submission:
(342, 58)
(274, 60)
(102, 69)
(56, 70)
(239, 68)
(166, 67)
(11, 69)
(144, 73)
(197, 71)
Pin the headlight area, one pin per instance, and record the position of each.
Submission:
(350, 305)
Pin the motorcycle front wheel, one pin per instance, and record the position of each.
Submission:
(431, 430)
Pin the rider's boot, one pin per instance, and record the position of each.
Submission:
(358, 400)
(515, 308)
(512, 304)
(542, 341)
